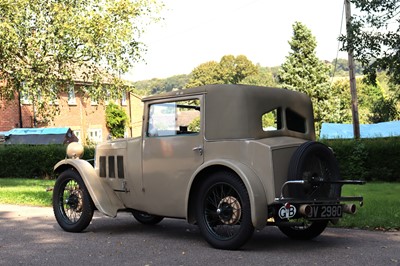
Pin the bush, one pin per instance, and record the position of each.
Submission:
(33, 161)
(116, 120)
(368, 159)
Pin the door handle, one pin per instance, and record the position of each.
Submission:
(198, 149)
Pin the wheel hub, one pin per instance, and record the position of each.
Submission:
(229, 210)
(74, 201)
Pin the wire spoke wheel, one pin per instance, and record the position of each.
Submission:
(223, 211)
(72, 204)
(71, 201)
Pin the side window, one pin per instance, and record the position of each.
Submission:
(71, 96)
(174, 118)
(272, 120)
(295, 121)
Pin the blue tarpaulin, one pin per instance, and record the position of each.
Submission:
(59, 135)
(345, 131)
(37, 131)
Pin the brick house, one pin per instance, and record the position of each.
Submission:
(85, 117)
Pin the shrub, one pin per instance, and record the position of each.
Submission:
(116, 120)
(368, 159)
(33, 161)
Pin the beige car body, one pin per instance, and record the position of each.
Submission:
(159, 174)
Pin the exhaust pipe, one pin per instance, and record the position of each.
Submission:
(305, 209)
(349, 208)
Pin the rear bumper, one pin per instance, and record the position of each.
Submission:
(283, 199)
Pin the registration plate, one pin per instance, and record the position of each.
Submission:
(325, 211)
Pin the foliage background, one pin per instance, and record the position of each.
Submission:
(116, 120)
(365, 159)
(33, 161)
(368, 159)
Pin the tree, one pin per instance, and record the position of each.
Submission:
(46, 45)
(341, 67)
(263, 77)
(383, 110)
(374, 37)
(155, 85)
(230, 70)
(369, 95)
(116, 120)
(303, 71)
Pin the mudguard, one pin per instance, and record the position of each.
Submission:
(103, 196)
(254, 186)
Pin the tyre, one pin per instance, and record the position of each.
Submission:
(314, 163)
(147, 219)
(223, 211)
(72, 205)
(307, 231)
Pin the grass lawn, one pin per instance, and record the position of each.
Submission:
(31, 192)
(381, 208)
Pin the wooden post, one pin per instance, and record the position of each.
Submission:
(353, 89)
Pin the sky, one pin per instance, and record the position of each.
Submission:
(197, 31)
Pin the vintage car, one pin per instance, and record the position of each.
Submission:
(229, 158)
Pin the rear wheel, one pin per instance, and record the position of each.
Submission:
(314, 163)
(146, 218)
(72, 205)
(223, 211)
(308, 230)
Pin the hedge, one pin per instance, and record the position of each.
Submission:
(368, 159)
(33, 161)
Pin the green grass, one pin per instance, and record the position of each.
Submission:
(31, 192)
(381, 208)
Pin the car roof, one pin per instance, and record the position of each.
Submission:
(234, 111)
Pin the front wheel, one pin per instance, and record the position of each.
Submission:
(72, 205)
(223, 211)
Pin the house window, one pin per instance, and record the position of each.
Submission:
(93, 101)
(25, 98)
(123, 101)
(95, 135)
(107, 96)
(71, 96)
(78, 135)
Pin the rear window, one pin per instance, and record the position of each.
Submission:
(272, 120)
(295, 122)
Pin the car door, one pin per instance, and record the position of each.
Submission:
(172, 151)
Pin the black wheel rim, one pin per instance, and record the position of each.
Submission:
(70, 201)
(223, 211)
(315, 170)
